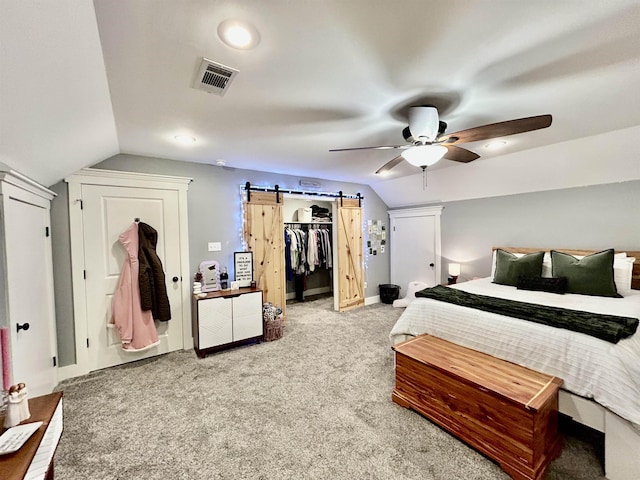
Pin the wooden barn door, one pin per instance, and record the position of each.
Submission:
(350, 254)
(264, 234)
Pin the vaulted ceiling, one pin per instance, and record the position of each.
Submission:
(82, 81)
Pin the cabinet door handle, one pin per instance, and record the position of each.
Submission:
(24, 326)
(432, 264)
(175, 279)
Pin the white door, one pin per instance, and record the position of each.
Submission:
(413, 251)
(107, 212)
(30, 296)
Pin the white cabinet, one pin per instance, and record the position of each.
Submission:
(227, 318)
(26, 281)
(415, 246)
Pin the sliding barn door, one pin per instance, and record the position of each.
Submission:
(264, 234)
(350, 255)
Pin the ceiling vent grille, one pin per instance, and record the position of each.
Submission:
(214, 77)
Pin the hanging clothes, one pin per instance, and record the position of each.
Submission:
(153, 289)
(307, 250)
(135, 326)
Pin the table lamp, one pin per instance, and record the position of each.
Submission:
(454, 272)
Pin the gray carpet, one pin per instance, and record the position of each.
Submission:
(315, 404)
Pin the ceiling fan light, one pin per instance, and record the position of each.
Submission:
(424, 155)
(424, 122)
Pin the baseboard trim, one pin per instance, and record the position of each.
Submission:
(309, 292)
(372, 300)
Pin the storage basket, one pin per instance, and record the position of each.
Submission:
(273, 329)
(273, 322)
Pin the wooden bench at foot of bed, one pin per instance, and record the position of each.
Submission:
(507, 412)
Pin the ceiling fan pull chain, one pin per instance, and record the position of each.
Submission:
(424, 178)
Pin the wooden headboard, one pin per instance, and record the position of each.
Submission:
(635, 279)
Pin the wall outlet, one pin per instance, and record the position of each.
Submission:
(214, 246)
(365, 284)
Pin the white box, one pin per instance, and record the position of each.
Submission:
(304, 214)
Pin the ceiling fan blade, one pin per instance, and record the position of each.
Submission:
(459, 154)
(500, 129)
(390, 164)
(380, 147)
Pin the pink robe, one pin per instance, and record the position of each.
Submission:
(135, 326)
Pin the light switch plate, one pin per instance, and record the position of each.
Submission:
(214, 246)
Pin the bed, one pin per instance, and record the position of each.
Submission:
(601, 379)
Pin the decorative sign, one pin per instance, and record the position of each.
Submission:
(243, 262)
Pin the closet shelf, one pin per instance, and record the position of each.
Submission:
(308, 223)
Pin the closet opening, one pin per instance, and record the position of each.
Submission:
(267, 211)
(309, 248)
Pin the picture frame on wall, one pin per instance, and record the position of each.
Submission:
(243, 267)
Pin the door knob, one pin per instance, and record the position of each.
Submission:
(432, 264)
(175, 279)
(24, 326)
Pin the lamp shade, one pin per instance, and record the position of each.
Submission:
(454, 269)
(424, 155)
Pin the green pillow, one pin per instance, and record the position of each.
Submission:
(591, 275)
(509, 267)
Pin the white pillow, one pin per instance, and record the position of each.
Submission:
(546, 265)
(622, 272)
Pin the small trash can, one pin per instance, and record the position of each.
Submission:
(389, 292)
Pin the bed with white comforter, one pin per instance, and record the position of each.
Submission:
(606, 372)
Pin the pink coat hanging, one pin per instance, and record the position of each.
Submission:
(135, 326)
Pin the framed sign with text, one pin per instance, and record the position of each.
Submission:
(243, 266)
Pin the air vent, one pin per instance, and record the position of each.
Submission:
(214, 77)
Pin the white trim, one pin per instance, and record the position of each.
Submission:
(91, 176)
(88, 176)
(23, 182)
(185, 271)
(76, 229)
(311, 291)
(415, 211)
(371, 300)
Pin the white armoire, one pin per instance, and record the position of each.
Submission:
(415, 250)
(26, 281)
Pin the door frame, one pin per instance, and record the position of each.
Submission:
(435, 211)
(90, 176)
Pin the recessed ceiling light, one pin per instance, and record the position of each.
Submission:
(185, 139)
(495, 145)
(238, 34)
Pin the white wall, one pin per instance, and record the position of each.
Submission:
(55, 107)
(606, 158)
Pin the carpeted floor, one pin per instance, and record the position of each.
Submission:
(315, 404)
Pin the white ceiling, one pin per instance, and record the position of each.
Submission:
(326, 74)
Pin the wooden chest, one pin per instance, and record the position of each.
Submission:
(507, 412)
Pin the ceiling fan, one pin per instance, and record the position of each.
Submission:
(427, 141)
